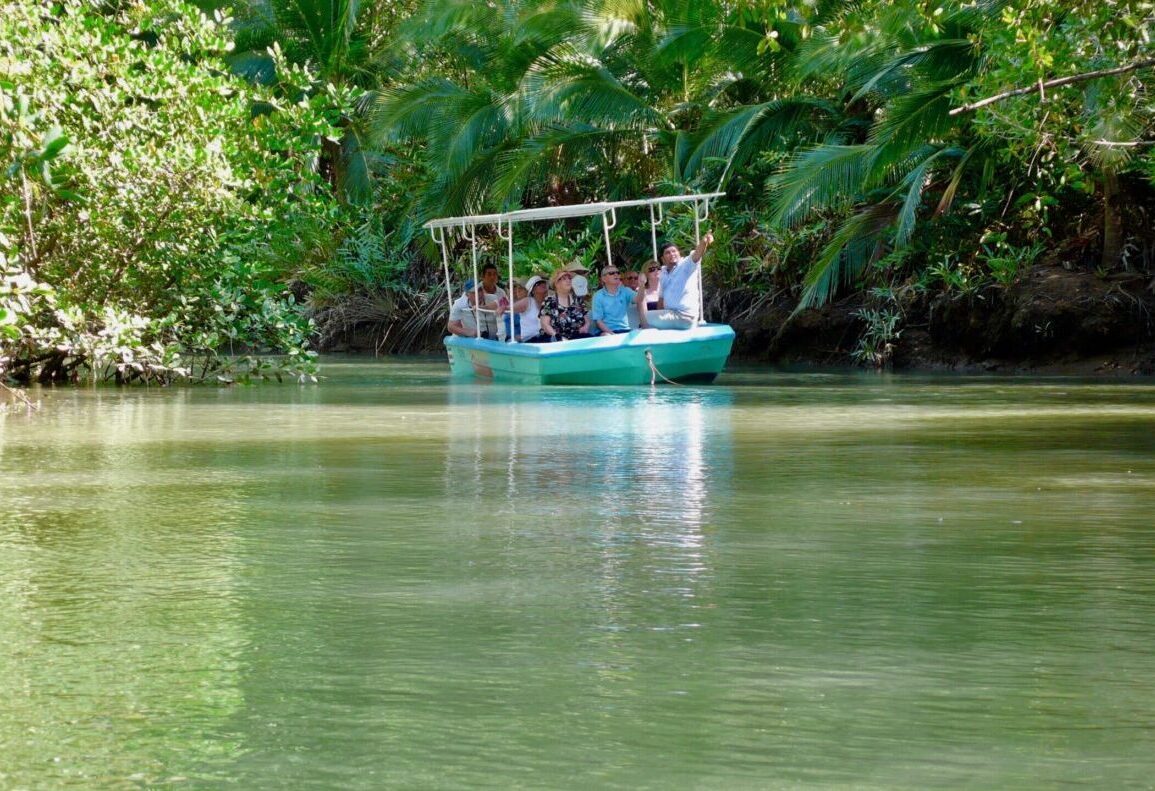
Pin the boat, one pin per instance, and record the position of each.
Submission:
(641, 356)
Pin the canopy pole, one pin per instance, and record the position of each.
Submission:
(509, 284)
(654, 223)
(470, 232)
(507, 235)
(606, 225)
(438, 235)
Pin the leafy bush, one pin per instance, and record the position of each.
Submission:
(141, 190)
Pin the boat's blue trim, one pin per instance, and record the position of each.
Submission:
(647, 337)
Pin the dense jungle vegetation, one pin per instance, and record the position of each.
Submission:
(209, 190)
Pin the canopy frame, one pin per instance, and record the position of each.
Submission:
(504, 222)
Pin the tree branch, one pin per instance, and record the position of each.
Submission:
(19, 394)
(1040, 86)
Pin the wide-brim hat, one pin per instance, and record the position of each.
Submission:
(533, 281)
(577, 266)
(553, 278)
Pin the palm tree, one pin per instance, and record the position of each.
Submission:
(339, 43)
(879, 127)
(557, 101)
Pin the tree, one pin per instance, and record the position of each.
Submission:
(145, 239)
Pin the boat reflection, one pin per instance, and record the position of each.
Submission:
(619, 482)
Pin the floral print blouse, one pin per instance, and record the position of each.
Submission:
(566, 321)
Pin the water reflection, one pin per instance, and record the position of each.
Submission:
(391, 581)
(621, 478)
(652, 452)
(118, 583)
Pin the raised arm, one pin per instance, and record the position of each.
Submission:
(700, 250)
(640, 301)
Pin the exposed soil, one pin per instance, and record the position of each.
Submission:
(1052, 320)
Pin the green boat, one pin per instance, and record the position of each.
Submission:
(638, 357)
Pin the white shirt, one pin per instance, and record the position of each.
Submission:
(461, 311)
(682, 285)
(488, 312)
(530, 321)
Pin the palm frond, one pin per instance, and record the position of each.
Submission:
(463, 129)
(846, 255)
(741, 134)
(409, 110)
(910, 122)
(936, 61)
(553, 152)
(567, 85)
(326, 28)
(1115, 124)
(356, 173)
(549, 25)
(436, 19)
(911, 190)
(952, 186)
(828, 176)
(740, 49)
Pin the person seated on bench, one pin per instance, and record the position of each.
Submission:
(612, 303)
(680, 288)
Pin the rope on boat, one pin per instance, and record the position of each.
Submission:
(654, 372)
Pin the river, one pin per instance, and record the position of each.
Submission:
(391, 580)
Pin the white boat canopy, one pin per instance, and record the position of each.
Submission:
(504, 222)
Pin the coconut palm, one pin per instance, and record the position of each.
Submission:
(878, 125)
(545, 101)
(338, 42)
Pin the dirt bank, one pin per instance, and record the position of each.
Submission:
(1052, 320)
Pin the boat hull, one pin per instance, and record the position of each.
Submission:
(695, 355)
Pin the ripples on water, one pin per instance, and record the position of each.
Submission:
(392, 580)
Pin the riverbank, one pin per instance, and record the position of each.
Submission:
(1053, 321)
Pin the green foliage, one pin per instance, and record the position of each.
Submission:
(953, 276)
(876, 344)
(135, 179)
(165, 205)
(1006, 261)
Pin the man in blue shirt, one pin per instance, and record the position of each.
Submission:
(681, 282)
(611, 303)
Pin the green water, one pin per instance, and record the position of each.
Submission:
(395, 581)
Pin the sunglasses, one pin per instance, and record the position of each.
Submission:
(653, 269)
(611, 272)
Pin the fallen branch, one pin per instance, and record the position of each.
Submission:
(1040, 86)
(17, 394)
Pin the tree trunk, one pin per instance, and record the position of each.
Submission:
(1112, 221)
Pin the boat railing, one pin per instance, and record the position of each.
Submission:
(503, 223)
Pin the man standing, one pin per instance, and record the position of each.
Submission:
(611, 303)
(681, 287)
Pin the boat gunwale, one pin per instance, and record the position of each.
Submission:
(639, 337)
